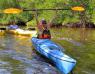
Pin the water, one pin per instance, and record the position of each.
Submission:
(17, 56)
(80, 45)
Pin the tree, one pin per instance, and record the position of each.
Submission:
(85, 16)
(7, 18)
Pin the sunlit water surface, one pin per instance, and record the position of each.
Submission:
(17, 56)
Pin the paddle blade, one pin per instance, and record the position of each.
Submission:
(12, 11)
(78, 8)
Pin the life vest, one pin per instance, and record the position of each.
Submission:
(46, 34)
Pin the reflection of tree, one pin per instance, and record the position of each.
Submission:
(85, 34)
(78, 34)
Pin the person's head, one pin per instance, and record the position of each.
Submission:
(44, 23)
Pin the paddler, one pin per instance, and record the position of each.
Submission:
(43, 30)
(13, 26)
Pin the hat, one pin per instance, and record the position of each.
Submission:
(43, 21)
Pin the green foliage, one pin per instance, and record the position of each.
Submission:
(7, 18)
(54, 16)
(31, 23)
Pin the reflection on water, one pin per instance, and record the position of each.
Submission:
(77, 34)
(80, 44)
(20, 44)
(17, 57)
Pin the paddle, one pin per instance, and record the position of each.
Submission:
(12, 11)
(78, 8)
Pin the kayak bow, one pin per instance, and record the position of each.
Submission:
(53, 51)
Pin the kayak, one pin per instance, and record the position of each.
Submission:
(26, 32)
(22, 32)
(11, 31)
(2, 32)
(53, 51)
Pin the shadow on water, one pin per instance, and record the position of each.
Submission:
(18, 57)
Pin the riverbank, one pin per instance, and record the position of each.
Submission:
(74, 25)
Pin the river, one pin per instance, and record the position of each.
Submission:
(17, 55)
(79, 43)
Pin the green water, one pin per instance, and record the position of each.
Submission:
(17, 55)
(80, 45)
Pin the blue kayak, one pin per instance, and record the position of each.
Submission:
(51, 50)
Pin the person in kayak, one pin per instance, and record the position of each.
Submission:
(43, 30)
(13, 26)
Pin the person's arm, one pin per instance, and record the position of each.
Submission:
(49, 24)
(39, 26)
